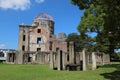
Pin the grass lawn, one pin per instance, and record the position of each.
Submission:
(43, 72)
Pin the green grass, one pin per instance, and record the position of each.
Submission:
(43, 72)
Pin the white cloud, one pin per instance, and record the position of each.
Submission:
(39, 1)
(2, 46)
(15, 4)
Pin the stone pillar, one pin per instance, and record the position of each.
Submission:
(33, 57)
(20, 41)
(77, 58)
(43, 55)
(41, 58)
(20, 57)
(27, 39)
(12, 58)
(25, 58)
(106, 58)
(16, 58)
(71, 53)
(64, 59)
(60, 64)
(7, 58)
(103, 59)
(37, 57)
(51, 60)
(85, 60)
(46, 57)
(93, 61)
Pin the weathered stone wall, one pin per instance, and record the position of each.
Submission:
(11, 57)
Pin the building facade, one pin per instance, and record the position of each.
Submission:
(38, 38)
(40, 35)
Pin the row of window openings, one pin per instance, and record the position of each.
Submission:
(38, 31)
(38, 49)
(39, 39)
(39, 42)
(46, 23)
(23, 48)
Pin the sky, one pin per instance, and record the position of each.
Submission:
(15, 12)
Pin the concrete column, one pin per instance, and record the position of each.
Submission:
(27, 39)
(103, 59)
(64, 59)
(60, 64)
(106, 58)
(48, 58)
(7, 58)
(33, 58)
(20, 42)
(51, 60)
(71, 53)
(45, 58)
(16, 57)
(93, 61)
(11, 57)
(54, 57)
(25, 56)
(101, 55)
(43, 55)
(41, 58)
(77, 58)
(37, 57)
(20, 57)
(85, 60)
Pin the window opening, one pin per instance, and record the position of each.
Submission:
(23, 48)
(38, 40)
(39, 30)
(23, 37)
(38, 49)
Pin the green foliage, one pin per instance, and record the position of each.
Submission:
(101, 17)
(81, 41)
(81, 3)
(118, 55)
(75, 38)
(114, 56)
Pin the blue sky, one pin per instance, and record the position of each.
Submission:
(15, 12)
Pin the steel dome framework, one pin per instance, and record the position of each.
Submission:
(44, 17)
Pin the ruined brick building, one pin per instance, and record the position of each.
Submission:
(36, 38)
(40, 35)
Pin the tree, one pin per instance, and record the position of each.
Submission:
(101, 17)
(75, 38)
(118, 55)
(80, 41)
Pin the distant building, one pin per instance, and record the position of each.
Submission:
(3, 54)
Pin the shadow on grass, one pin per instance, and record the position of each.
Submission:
(112, 75)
